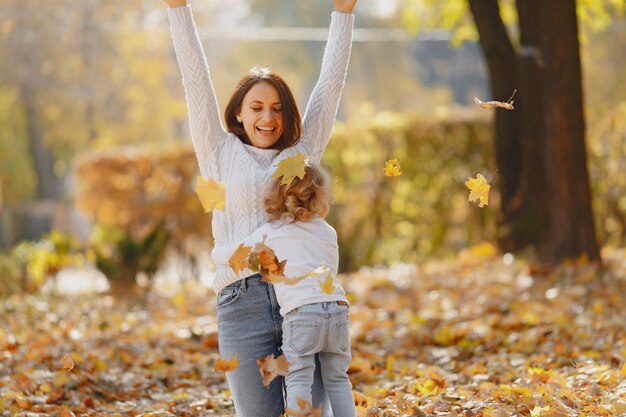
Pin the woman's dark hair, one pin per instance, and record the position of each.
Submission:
(292, 122)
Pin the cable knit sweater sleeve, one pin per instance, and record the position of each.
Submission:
(207, 134)
(321, 109)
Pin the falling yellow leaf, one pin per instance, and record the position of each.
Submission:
(212, 194)
(271, 367)
(67, 363)
(239, 260)
(223, 365)
(281, 279)
(479, 190)
(493, 104)
(392, 168)
(290, 168)
(327, 286)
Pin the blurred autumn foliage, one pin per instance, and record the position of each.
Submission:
(142, 201)
(135, 188)
(422, 212)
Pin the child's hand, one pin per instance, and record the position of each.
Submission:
(344, 6)
(176, 3)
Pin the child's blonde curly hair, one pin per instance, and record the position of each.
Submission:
(302, 199)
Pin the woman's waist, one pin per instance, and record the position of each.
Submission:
(225, 276)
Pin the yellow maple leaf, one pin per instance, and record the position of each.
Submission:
(271, 367)
(479, 190)
(223, 365)
(239, 259)
(392, 168)
(327, 286)
(290, 168)
(212, 194)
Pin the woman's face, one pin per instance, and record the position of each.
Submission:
(262, 115)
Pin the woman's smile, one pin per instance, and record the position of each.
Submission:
(261, 115)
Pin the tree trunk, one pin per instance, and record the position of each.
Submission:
(48, 184)
(539, 147)
(532, 222)
(502, 66)
(571, 229)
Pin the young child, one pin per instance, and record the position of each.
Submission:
(315, 320)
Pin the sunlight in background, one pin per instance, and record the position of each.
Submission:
(383, 8)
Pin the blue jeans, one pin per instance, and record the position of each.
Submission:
(250, 326)
(319, 329)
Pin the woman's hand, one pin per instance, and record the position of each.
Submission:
(176, 3)
(344, 6)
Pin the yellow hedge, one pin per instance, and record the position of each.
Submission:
(135, 188)
(422, 212)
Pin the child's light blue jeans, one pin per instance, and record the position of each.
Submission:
(250, 326)
(319, 329)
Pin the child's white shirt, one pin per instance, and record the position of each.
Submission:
(306, 246)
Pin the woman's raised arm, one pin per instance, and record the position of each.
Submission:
(321, 109)
(207, 132)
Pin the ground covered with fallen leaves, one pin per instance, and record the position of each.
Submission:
(482, 335)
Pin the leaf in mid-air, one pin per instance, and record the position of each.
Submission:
(223, 365)
(290, 168)
(271, 367)
(327, 285)
(479, 190)
(493, 104)
(392, 168)
(239, 259)
(282, 279)
(212, 194)
(264, 260)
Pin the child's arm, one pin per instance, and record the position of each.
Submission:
(321, 109)
(207, 134)
(223, 253)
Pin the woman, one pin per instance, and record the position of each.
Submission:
(263, 126)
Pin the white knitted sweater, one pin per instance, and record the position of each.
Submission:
(244, 169)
